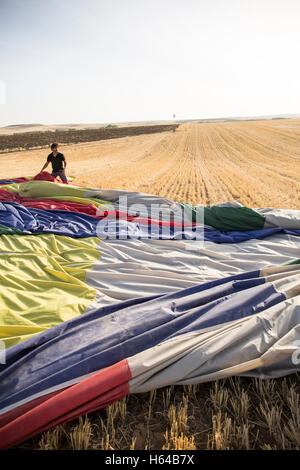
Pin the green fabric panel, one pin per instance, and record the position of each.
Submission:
(294, 261)
(233, 218)
(227, 218)
(9, 231)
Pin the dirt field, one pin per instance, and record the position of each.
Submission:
(255, 163)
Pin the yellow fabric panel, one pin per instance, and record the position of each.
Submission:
(49, 189)
(43, 282)
(11, 188)
(96, 202)
(34, 193)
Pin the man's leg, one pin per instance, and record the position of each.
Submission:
(63, 177)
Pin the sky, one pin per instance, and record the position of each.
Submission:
(99, 61)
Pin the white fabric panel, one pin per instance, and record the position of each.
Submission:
(261, 345)
(134, 268)
(285, 218)
(113, 196)
(290, 285)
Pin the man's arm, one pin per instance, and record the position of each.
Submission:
(64, 162)
(45, 166)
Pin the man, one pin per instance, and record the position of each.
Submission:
(58, 164)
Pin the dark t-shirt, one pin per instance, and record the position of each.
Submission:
(57, 164)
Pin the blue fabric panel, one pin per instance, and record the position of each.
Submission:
(107, 335)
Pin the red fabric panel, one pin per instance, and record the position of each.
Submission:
(89, 209)
(22, 409)
(45, 176)
(115, 214)
(100, 402)
(100, 388)
(9, 197)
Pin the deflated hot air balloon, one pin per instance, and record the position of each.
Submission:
(106, 293)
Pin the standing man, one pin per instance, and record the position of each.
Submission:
(58, 164)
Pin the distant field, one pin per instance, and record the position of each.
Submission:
(21, 128)
(28, 140)
(256, 163)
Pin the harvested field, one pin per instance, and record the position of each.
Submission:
(224, 415)
(256, 163)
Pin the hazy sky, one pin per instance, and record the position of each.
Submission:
(71, 61)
